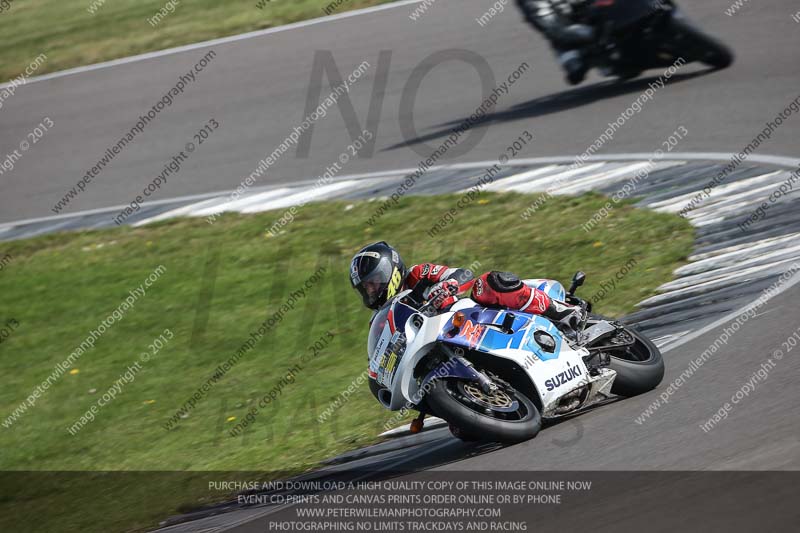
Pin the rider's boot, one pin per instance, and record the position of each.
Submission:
(418, 423)
(574, 66)
(568, 317)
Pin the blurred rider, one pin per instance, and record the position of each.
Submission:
(559, 20)
(378, 273)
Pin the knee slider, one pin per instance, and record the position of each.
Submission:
(504, 281)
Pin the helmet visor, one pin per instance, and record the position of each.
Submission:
(373, 287)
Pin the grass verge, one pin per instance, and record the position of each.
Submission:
(218, 284)
(71, 35)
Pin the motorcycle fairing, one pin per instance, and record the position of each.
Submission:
(553, 374)
(385, 353)
(551, 287)
(477, 332)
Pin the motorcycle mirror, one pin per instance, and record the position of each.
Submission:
(577, 281)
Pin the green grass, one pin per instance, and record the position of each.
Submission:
(70, 36)
(59, 287)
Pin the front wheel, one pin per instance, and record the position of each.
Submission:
(503, 414)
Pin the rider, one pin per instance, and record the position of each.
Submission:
(558, 21)
(378, 273)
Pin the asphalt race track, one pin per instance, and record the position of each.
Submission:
(257, 89)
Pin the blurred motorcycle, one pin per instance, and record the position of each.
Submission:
(623, 38)
(495, 374)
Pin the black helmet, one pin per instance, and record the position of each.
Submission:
(377, 272)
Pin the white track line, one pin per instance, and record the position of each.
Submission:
(739, 267)
(241, 203)
(215, 42)
(742, 253)
(522, 177)
(730, 316)
(301, 197)
(545, 183)
(589, 183)
(723, 252)
(713, 283)
(787, 162)
(718, 194)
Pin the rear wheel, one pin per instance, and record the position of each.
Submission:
(698, 45)
(639, 367)
(637, 361)
(503, 414)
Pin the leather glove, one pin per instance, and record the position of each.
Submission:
(443, 294)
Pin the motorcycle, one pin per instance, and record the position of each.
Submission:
(623, 38)
(495, 374)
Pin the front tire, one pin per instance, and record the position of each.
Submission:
(509, 416)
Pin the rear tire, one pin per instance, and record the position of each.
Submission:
(637, 377)
(448, 400)
(640, 371)
(699, 45)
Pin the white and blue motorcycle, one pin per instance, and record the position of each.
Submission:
(496, 375)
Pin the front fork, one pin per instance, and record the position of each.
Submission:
(457, 367)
